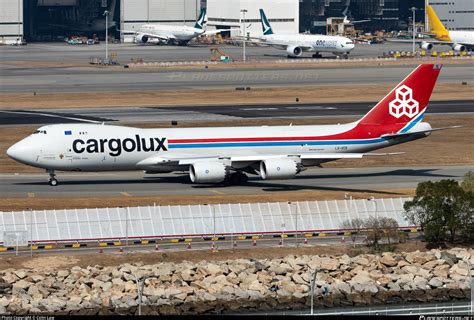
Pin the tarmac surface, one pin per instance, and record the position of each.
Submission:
(21, 72)
(135, 183)
(208, 113)
(91, 79)
(62, 52)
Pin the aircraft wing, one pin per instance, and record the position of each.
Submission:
(405, 134)
(281, 45)
(162, 36)
(150, 35)
(421, 40)
(159, 160)
(213, 32)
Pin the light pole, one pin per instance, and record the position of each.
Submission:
(244, 11)
(427, 23)
(296, 221)
(372, 199)
(413, 26)
(19, 28)
(313, 280)
(126, 227)
(31, 232)
(106, 14)
(214, 224)
(140, 285)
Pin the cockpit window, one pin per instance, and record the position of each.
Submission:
(350, 42)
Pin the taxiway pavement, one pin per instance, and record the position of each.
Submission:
(91, 79)
(135, 183)
(208, 112)
(64, 53)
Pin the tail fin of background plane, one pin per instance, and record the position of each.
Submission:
(201, 20)
(407, 102)
(436, 26)
(267, 28)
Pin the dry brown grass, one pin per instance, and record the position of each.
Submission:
(16, 204)
(257, 64)
(306, 94)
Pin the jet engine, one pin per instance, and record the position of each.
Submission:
(141, 38)
(208, 172)
(426, 45)
(273, 169)
(458, 47)
(294, 51)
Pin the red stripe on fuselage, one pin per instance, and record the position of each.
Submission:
(358, 132)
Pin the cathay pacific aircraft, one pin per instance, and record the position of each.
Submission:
(216, 155)
(296, 44)
(168, 34)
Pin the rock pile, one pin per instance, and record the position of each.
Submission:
(242, 284)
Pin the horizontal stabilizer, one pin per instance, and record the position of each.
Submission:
(405, 134)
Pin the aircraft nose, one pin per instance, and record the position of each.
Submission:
(12, 151)
(20, 151)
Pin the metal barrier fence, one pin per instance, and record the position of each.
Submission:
(109, 224)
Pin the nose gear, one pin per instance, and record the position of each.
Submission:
(52, 178)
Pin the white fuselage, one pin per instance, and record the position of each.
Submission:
(90, 147)
(181, 33)
(462, 37)
(314, 43)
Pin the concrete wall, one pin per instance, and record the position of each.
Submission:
(135, 13)
(11, 20)
(283, 15)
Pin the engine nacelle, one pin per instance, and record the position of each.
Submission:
(426, 45)
(141, 38)
(294, 51)
(458, 47)
(273, 169)
(208, 172)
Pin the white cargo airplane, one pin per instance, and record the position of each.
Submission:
(215, 155)
(173, 34)
(458, 40)
(296, 44)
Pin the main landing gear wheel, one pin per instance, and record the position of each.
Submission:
(52, 178)
(317, 55)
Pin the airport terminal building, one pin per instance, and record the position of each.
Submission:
(282, 14)
(56, 20)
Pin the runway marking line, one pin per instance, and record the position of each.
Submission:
(31, 195)
(217, 192)
(125, 194)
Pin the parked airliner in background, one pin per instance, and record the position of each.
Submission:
(215, 155)
(458, 40)
(296, 44)
(173, 34)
